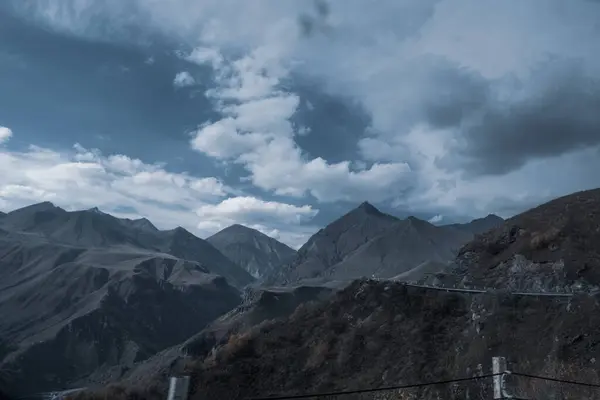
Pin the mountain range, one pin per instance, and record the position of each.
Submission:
(88, 292)
(378, 333)
(83, 290)
(368, 243)
(87, 298)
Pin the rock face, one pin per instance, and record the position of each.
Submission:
(553, 247)
(84, 291)
(256, 252)
(368, 243)
(376, 334)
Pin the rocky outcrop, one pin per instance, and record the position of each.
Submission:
(553, 247)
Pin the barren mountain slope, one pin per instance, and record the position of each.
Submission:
(368, 243)
(92, 228)
(67, 311)
(406, 245)
(83, 291)
(479, 225)
(256, 252)
(555, 246)
(333, 243)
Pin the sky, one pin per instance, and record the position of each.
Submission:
(284, 115)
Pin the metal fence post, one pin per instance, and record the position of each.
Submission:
(178, 388)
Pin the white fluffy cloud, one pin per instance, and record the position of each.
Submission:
(183, 79)
(5, 134)
(269, 217)
(256, 132)
(85, 178)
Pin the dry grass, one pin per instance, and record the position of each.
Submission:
(541, 389)
(540, 240)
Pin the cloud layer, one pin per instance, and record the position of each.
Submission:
(475, 106)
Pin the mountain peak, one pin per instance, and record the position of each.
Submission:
(493, 217)
(259, 254)
(239, 227)
(368, 208)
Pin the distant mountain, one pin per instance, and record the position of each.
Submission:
(402, 247)
(82, 291)
(256, 252)
(141, 223)
(368, 243)
(555, 246)
(67, 311)
(332, 244)
(479, 225)
(93, 228)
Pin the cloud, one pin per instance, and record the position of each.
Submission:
(251, 209)
(270, 217)
(436, 219)
(86, 178)
(256, 132)
(552, 113)
(183, 79)
(205, 56)
(471, 102)
(5, 134)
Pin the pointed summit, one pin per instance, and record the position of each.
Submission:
(256, 252)
(368, 208)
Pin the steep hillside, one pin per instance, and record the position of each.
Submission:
(68, 311)
(83, 291)
(376, 334)
(404, 246)
(479, 225)
(256, 252)
(332, 244)
(259, 306)
(183, 244)
(555, 246)
(93, 228)
(369, 243)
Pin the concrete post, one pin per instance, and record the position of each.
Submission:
(178, 388)
(499, 367)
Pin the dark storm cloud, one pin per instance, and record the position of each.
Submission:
(502, 124)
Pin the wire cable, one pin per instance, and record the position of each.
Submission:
(370, 390)
(547, 378)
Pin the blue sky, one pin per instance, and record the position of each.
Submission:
(208, 113)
